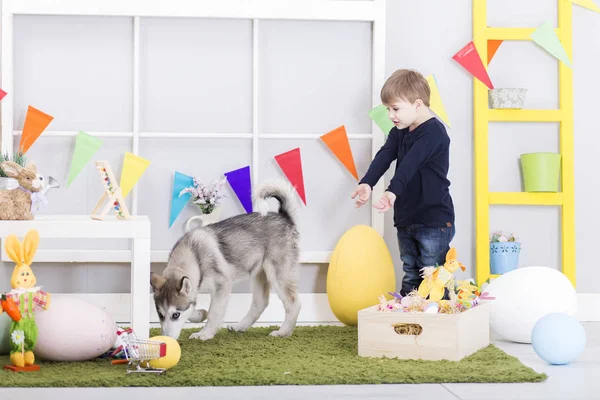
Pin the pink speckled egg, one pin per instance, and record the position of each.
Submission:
(73, 330)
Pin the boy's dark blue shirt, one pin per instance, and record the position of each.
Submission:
(420, 182)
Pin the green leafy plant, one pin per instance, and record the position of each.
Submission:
(18, 158)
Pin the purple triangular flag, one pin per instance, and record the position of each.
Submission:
(240, 182)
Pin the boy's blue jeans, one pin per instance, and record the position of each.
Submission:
(422, 246)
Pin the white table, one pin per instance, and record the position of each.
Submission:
(84, 227)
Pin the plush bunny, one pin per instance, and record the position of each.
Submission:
(436, 279)
(23, 333)
(17, 204)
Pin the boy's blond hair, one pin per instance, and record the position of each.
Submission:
(405, 84)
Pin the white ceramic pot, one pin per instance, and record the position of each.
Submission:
(8, 184)
(204, 219)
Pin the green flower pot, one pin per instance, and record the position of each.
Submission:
(541, 171)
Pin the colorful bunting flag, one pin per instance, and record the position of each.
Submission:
(290, 163)
(2, 94)
(468, 57)
(587, 4)
(338, 143)
(241, 183)
(133, 169)
(85, 148)
(435, 100)
(180, 182)
(35, 123)
(492, 49)
(545, 36)
(380, 116)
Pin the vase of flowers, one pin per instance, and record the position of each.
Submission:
(504, 253)
(206, 198)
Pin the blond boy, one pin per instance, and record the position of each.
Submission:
(419, 191)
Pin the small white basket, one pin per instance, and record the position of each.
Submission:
(508, 98)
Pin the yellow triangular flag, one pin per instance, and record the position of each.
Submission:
(133, 169)
(435, 100)
(587, 4)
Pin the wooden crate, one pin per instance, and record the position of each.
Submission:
(443, 336)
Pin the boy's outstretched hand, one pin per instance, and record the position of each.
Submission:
(386, 202)
(363, 191)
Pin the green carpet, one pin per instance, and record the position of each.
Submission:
(324, 355)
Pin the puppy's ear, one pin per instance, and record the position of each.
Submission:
(185, 286)
(157, 281)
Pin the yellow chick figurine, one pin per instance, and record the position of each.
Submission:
(26, 295)
(466, 290)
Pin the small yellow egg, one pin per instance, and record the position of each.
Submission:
(173, 353)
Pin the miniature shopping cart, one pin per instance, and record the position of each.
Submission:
(138, 352)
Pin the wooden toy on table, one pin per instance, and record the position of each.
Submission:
(112, 196)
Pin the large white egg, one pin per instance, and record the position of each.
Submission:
(526, 294)
(73, 330)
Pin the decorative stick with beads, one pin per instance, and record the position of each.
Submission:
(112, 196)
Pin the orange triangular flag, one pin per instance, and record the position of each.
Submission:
(35, 123)
(338, 143)
(493, 48)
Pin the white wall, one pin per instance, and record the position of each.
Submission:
(195, 76)
(421, 34)
(425, 35)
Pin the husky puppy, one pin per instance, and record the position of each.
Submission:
(262, 246)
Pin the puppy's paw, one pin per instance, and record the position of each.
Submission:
(195, 335)
(237, 327)
(280, 333)
(198, 316)
(202, 335)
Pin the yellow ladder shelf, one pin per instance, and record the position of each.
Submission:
(483, 115)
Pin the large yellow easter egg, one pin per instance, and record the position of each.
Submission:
(173, 353)
(361, 269)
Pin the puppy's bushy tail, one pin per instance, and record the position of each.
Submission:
(283, 191)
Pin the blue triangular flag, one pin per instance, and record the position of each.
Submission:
(180, 182)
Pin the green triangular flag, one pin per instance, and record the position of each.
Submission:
(380, 115)
(545, 36)
(85, 148)
(587, 4)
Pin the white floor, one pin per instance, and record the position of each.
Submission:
(580, 380)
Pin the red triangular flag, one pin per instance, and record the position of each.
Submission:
(290, 163)
(469, 58)
(338, 143)
(2, 94)
(493, 48)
